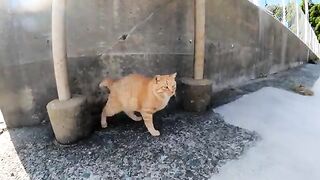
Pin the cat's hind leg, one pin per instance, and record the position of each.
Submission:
(133, 116)
(111, 108)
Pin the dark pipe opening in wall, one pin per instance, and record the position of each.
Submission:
(123, 37)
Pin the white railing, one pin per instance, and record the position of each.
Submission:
(295, 20)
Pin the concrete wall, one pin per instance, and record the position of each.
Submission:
(244, 42)
(117, 37)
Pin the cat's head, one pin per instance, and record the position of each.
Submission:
(165, 84)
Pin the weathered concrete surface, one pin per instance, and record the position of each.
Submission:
(288, 124)
(195, 94)
(244, 42)
(24, 92)
(151, 26)
(26, 72)
(70, 119)
(114, 38)
(158, 38)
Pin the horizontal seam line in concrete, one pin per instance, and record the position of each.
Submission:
(148, 54)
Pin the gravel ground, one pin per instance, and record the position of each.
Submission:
(191, 146)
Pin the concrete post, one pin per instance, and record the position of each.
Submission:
(59, 48)
(199, 35)
(68, 116)
(196, 93)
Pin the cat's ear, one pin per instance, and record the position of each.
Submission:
(157, 78)
(174, 75)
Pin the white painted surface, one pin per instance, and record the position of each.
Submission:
(289, 125)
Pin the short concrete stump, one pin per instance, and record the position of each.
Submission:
(69, 119)
(196, 94)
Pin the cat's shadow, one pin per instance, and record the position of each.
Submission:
(121, 122)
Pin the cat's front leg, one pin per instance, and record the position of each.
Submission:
(148, 121)
(103, 121)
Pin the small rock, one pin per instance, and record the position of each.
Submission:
(12, 174)
(86, 175)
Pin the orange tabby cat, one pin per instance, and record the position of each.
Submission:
(138, 93)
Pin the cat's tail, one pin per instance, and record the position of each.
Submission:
(106, 83)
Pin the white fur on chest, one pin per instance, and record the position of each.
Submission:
(164, 102)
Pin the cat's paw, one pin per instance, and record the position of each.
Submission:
(155, 133)
(104, 125)
(137, 118)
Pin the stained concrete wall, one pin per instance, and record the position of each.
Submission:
(244, 42)
(117, 37)
(157, 41)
